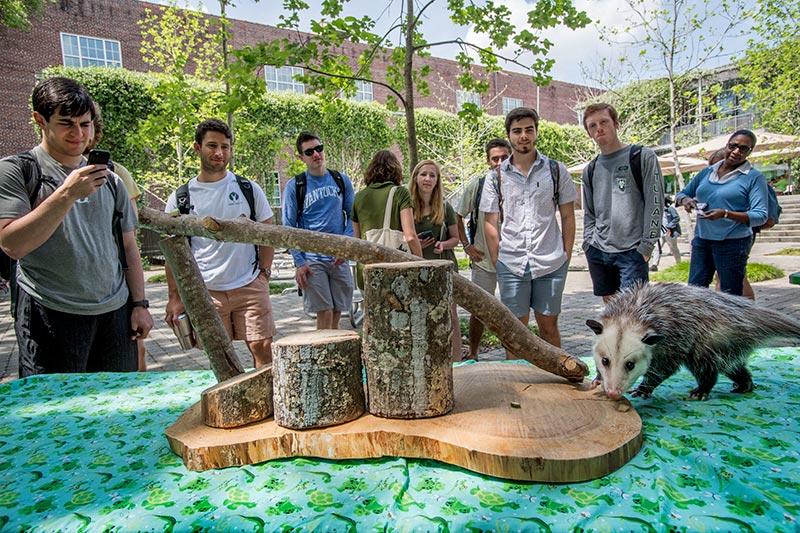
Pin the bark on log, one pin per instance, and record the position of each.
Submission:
(407, 338)
(241, 400)
(207, 325)
(317, 379)
(514, 336)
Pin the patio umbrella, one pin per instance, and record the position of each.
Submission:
(767, 141)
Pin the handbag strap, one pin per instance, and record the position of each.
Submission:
(444, 223)
(387, 214)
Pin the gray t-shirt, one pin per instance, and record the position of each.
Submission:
(466, 207)
(617, 217)
(76, 270)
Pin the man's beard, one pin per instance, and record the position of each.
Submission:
(210, 166)
(523, 149)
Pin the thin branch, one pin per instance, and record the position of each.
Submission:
(356, 78)
(460, 42)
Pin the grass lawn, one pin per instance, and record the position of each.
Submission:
(787, 251)
(275, 287)
(680, 273)
(489, 339)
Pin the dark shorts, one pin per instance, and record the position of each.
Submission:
(727, 258)
(614, 271)
(53, 342)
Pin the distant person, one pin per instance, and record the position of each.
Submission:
(384, 177)
(81, 303)
(236, 274)
(474, 244)
(435, 224)
(623, 198)
(731, 198)
(670, 231)
(522, 200)
(133, 192)
(320, 199)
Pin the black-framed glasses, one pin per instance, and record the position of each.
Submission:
(308, 151)
(743, 148)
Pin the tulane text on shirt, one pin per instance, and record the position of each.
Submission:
(319, 194)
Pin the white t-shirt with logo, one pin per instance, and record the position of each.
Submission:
(224, 265)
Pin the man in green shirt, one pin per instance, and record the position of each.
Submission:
(483, 272)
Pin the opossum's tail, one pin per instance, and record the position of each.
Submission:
(772, 324)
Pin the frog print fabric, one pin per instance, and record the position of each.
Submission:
(87, 452)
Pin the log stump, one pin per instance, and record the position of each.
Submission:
(407, 338)
(240, 400)
(317, 379)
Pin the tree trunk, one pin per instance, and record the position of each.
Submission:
(514, 336)
(241, 400)
(317, 379)
(408, 74)
(674, 149)
(194, 295)
(407, 338)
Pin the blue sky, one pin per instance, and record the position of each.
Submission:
(577, 54)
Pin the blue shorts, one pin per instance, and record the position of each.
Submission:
(611, 272)
(543, 294)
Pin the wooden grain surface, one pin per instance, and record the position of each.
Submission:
(561, 432)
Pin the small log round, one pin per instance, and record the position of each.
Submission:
(317, 379)
(407, 338)
(240, 400)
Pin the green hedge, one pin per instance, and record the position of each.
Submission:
(266, 129)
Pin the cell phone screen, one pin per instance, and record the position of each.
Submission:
(425, 235)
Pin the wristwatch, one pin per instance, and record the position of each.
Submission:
(267, 272)
(140, 303)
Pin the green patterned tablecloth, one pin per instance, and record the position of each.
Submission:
(87, 452)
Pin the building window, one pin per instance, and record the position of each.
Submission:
(283, 79)
(274, 190)
(363, 91)
(467, 97)
(82, 51)
(511, 103)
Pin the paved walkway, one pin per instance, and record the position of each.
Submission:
(164, 353)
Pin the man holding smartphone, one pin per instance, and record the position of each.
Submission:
(78, 309)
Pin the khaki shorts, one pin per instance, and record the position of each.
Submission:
(484, 279)
(246, 312)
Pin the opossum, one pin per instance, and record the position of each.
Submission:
(655, 328)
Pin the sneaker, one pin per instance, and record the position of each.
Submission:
(653, 268)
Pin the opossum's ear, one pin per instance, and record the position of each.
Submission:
(595, 326)
(652, 338)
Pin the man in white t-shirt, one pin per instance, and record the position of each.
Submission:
(236, 274)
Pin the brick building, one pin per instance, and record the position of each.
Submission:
(105, 32)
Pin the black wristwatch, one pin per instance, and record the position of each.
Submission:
(140, 303)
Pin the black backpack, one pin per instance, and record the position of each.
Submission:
(555, 175)
(185, 205)
(32, 173)
(635, 161)
(301, 186)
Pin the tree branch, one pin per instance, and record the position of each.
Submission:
(356, 78)
(460, 42)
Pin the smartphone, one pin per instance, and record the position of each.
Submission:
(425, 235)
(99, 157)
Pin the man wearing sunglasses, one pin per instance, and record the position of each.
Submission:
(320, 199)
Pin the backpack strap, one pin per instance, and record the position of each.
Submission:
(555, 175)
(590, 172)
(635, 161)
(116, 224)
(247, 190)
(472, 226)
(183, 200)
(300, 195)
(498, 187)
(337, 177)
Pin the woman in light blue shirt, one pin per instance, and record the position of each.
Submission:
(731, 199)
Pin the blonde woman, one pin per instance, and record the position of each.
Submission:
(435, 223)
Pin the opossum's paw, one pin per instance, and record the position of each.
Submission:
(741, 388)
(641, 393)
(697, 394)
(596, 382)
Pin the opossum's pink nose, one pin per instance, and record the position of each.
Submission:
(614, 394)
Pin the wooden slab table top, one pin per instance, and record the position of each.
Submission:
(510, 421)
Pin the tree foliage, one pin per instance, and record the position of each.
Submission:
(331, 73)
(770, 66)
(17, 13)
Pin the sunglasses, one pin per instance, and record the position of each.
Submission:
(743, 148)
(308, 151)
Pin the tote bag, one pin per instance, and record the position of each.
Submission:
(386, 236)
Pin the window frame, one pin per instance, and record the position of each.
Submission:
(109, 63)
(507, 108)
(361, 91)
(289, 86)
(467, 97)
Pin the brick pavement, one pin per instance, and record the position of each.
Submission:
(164, 353)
